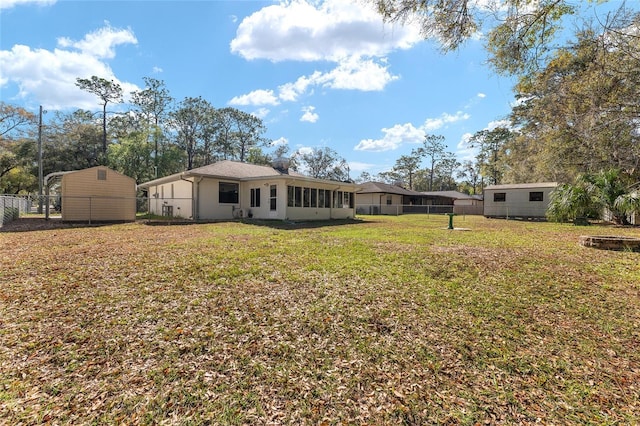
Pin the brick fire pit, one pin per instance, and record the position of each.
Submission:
(611, 242)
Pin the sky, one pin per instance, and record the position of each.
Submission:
(318, 73)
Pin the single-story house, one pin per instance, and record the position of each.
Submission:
(462, 203)
(523, 200)
(97, 194)
(384, 198)
(230, 189)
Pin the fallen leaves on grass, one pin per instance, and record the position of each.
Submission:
(388, 322)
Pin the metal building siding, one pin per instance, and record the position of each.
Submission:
(517, 202)
(85, 197)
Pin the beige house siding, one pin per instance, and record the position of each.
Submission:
(468, 206)
(198, 197)
(171, 199)
(98, 194)
(517, 202)
(380, 203)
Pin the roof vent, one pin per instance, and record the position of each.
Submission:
(281, 164)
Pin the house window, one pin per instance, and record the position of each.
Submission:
(306, 197)
(536, 196)
(337, 199)
(499, 197)
(298, 197)
(346, 199)
(102, 174)
(273, 198)
(255, 197)
(321, 198)
(290, 196)
(228, 193)
(327, 198)
(389, 199)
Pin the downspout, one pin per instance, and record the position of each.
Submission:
(193, 200)
(196, 211)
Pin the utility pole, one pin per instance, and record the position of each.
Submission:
(40, 162)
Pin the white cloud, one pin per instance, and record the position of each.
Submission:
(50, 76)
(8, 4)
(257, 97)
(350, 74)
(291, 91)
(261, 113)
(309, 116)
(481, 95)
(157, 70)
(280, 141)
(355, 73)
(100, 43)
(498, 123)
(393, 138)
(432, 124)
(464, 151)
(311, 31)
(348, 33)
(356, 166)
(304, 150)
(407, 133)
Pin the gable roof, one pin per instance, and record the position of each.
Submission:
(237, 170)
(233, 170)
(385, 188)
(522, 186)
(88, 170)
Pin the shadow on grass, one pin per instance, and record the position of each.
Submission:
(28, 224)
(275, 224)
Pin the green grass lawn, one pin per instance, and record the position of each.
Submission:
(387, 320)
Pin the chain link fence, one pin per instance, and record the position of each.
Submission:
(12, 207)
(399, 209)
(78, 209)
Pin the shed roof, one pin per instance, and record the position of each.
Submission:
(522, 186)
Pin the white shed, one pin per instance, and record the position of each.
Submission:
(522, 200)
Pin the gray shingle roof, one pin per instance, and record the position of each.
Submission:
(385, 188)
(450, 194)
(235, 169)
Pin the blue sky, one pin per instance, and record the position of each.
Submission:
(319, 73)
